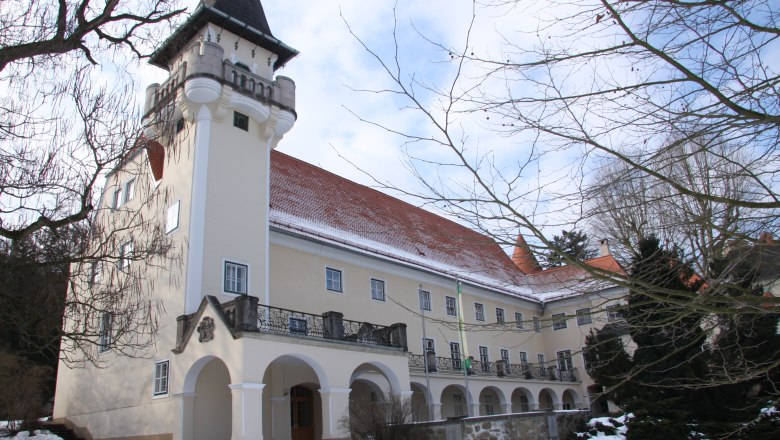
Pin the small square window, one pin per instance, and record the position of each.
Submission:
(518, 320)
(241, 121)
(161, 372)
(559, 321)
(377, 290)
(333, 280)
(614, 313)
(236, 276)
(479, 311)
(500, 316)
(537, 325)
(584, 317)
(450, 305)
(172, 217)
(116, 203)
(129, 190)
(425, 300)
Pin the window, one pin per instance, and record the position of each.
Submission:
(161, 371)
(559, 321)
(125, 255)
(105, 337)
(333, 279)
(428, 345)
(614, 313)
(449, 303)
(487, 401)
(504, 355)
(236, 278)
(117, 198)
(425, 300)
(95, 272)
(518, 320)
(455, 355)
(479, 310)
(584, 316)
(129, 190)
(564, 360)
(241, 121)
(377, 290)
(523, 358)
(298, 326)
(458, 404)
(500, 316)
(172, 217)
(585, 360)
(484, 359)
(540, 358)
(537, 325)
(179, 125)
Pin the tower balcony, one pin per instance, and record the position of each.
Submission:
(205, 60)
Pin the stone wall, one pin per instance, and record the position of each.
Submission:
(538, 425)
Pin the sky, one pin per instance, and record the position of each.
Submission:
(332, 64)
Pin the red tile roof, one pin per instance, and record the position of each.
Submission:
(310, 200)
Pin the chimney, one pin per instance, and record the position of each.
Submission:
(604, 248)
(766, 237)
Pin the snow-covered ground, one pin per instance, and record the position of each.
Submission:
(39, 435)
(616, 426)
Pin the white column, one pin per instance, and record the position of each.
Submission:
(183, 427)
(247, 411)
(335, 405)
(197, 218)
(474, 410)
(436, 412)
(506, 408)
(280, 417)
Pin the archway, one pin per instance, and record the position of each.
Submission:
(547, 399)
(213, 401)
(598, 403)
(522, 399)
(292, 404)
(419, 401)
(302, 413)
(569, 399)
(454, 402)
(489, 402)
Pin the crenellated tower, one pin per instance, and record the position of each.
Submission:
(217, 116)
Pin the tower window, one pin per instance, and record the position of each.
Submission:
(241, 121)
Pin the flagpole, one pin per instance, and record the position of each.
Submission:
(425, 356)
(464, 343)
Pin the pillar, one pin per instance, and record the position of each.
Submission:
(184, 425)
(335, 405)
(280, 416)
(436, 412)
(247, 411)
(506, 408)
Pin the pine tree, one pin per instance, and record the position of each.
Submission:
(573, 244)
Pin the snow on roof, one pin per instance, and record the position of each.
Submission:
(311, 202)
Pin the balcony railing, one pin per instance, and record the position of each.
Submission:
(499, 369)
(244, 314)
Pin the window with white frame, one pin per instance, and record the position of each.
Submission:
(500, 316)
(377, 289)
(236, 276)
(518, 320)
(504, 355)
(425, 300)
(455, 355)
(540, 359)
(559, 321)
(479, 311)
(161, 373)
(484, 358)
(129, 190)
(450, 305)
(105, 338)
(172, 217)
(125, 255)
(333, 279)
(523, 358)
(116, 202)
(537, 325)
(428, 345)
(565, 362)
(614, 313)
(584, 317)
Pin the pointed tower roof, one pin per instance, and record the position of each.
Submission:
(244, 18)
(523, 258)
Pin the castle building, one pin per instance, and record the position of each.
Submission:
(298, 293)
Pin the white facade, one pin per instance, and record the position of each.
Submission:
(244, 238)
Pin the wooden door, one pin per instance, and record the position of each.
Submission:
(302, 413)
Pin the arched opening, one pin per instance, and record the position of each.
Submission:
(213, 402)
(547, 400)
(521, 400)
(598, 403)
(302, 413)
(454, 402)
(420, 406)
(569, 400)
(489, 402)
